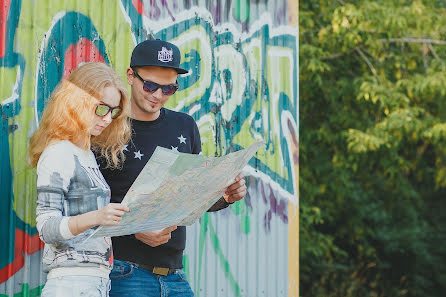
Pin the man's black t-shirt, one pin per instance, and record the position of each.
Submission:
(172, 130)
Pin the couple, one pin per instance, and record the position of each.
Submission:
(90, 112)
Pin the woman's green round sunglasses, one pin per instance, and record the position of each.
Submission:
(103, 109)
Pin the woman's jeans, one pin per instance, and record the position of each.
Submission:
(128, 279)
(75, 286)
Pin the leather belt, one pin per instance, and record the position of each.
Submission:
(164, 271)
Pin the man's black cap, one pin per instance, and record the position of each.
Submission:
(157, 53)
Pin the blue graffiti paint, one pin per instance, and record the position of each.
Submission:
(8, 111)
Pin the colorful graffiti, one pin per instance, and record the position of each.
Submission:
(242, 87)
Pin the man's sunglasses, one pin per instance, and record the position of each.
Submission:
(103, 109)
(150, 86)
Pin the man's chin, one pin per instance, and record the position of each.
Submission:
(153, 109)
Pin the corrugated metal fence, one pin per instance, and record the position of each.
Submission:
(243, 87)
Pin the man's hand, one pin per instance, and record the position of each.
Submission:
(156, 238)
(236, 191)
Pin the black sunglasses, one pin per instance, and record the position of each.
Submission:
(103, 109)
(150, 86)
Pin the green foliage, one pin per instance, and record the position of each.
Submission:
(372, 147)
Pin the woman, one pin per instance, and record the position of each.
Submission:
(87, 111)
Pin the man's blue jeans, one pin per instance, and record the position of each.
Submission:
(127, 279)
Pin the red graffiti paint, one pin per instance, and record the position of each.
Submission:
(23, 244)
(83, 51)
(139, 5)
(4, 9)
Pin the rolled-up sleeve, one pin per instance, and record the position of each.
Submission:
(51, 224)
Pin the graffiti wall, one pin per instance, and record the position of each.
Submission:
(242, 87)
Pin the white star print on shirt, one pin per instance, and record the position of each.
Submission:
(124, 148)
(138, 155)
(175, 148)
(182, 139)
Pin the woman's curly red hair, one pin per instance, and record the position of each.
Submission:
(70, 112)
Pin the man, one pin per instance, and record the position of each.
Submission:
(150, 263)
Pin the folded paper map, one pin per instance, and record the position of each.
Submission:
(176, 189)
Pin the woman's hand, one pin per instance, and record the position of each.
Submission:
(111, 214)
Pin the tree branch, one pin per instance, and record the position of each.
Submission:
(425, 56)
(359, 51)
(434, 53)
(413, 40)
(337, 55)
(334, 56)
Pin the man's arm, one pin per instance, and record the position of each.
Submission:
(233, 193)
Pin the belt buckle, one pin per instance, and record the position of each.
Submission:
(161, 271)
